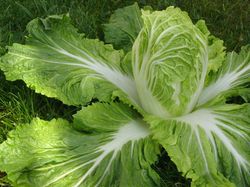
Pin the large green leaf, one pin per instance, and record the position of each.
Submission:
(216, 50)
(119, 153)
(59, 62)
(209, 145)
(234, 73)
(170, 60)
(123, 27)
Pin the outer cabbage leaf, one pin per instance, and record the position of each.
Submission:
(170, 60)
(59, 62)
(92, 118)
(55, 154)
(127, 64)
(123, 27)
(216, 50)
(234, 73)
(244, 93)
(209, 145)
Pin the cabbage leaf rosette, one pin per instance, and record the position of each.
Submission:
(167, 84)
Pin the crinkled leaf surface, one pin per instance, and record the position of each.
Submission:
(209, 144)
(234, 72)
(170, 59)
(173, 61)
(216, 49)
(118, 153)
(59, 62)
(123, 27)
(180, 73)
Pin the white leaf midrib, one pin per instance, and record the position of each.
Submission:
(111, 74)
(130, 132)
(228, 80)
(211, 122)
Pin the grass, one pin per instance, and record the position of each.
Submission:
(87, 15)
(226, 19)
(19, 104)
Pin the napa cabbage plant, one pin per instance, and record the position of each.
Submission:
(172, 79)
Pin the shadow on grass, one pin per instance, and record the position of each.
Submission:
(19, 104)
